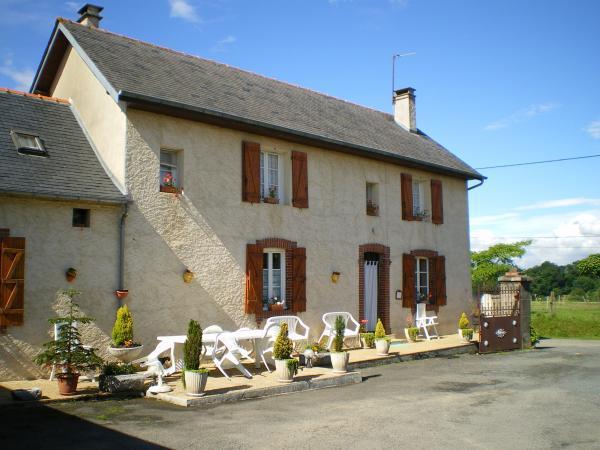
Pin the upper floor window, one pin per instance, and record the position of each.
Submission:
(81, 218)
(170, 171)
(418, 200)
(274, 279)
(271, 177)
(422, 278)
(28, 144)
(372, 199)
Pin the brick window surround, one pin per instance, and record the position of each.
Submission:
(286, 245)
(383, 282)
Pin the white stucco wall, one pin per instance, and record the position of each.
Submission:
(103, 119)
(207, 229)
(52, 246)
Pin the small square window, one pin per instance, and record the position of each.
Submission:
(170, 171)
(81, 218)
(28, 144)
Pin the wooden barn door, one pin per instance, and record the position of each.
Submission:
(12, 281)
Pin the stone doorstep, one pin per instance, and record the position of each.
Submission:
(269, 391)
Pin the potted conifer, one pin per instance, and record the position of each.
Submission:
(339, 358)
(123, 347)
(285, 366)
(194, 378)
(65, 351)
(382, 342)
(464, 330)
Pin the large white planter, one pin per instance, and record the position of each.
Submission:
(284, 373)
(339, 361)
(195, 383)
(126, 354)
(382, 346)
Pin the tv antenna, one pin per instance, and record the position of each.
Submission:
(394, 58)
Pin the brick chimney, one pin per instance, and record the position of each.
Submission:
(90, 15)
(405, 113)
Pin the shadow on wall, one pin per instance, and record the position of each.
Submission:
(35, 425)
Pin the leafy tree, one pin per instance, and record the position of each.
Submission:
(545, 278)
(590, 266)
(488, 265)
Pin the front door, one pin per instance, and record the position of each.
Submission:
(371, 289)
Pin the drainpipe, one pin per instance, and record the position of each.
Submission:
(477, 185)
(122, 247)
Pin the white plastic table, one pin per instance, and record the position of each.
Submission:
(256, 336)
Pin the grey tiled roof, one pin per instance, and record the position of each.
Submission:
(165, 75)
(70, 171)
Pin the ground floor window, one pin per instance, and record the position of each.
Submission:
(422, 279)
(273, 278)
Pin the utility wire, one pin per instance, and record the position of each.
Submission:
(537, 162)
(545, 237)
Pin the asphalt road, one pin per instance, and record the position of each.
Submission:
(546, 398)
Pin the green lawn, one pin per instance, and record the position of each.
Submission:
(570, 320)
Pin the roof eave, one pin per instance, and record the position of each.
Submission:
(159, 105)
(63, 197)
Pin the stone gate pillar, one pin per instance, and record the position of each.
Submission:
(513, 281)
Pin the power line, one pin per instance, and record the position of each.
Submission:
(545, 237)
(537, 162)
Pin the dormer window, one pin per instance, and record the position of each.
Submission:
(28, 144)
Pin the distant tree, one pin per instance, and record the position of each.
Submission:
(590, 266)
(545, 278)
(488, 265)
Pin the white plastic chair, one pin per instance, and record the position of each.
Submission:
(423, 322)
(352, 327)
(297, 330)
(152, 358)
(271, 332)
(225, 349)
(57, 327)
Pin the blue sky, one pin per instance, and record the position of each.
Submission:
(497, 83)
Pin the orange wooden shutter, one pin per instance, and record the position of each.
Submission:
(250, 172)
(407, 200)
(437, 279)
(437, 202)
(299, 180)
(254, 279)
(299, 280)
(408, 280)
(12, 281)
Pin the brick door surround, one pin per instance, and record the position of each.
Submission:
(383, 282)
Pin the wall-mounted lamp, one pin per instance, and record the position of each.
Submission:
(188, 276)
(398, 294)
(335, 276)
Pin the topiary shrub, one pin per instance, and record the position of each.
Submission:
(467, 333)
(340, 330)
(369, 339)
(379, 330)
(283, 344)
(122, 332)
(192, 348)
(463, 322)
(413, 333)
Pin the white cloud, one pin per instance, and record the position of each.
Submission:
(562, 203)
(593, 129)
(521, 116)
(399, 3)
(222, 44)
(481, 220)
(21, 78)
(73, 6)
(183, 9)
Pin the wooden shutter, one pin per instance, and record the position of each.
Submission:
(299, 280)
(437, 202)
(250, 172)
(254, 279)
(437, 279)
(12, 281)
(299, 180)
(407, 199)
(408, 281)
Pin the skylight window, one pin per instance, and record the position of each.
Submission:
(28, 144)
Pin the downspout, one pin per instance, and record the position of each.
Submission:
(122, 247)
(477, 185)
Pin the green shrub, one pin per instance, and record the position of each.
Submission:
(292, 364)
(535, 337)
(122, 332)
(463, 322)
(369, 339)
(340, 329)
(192, 348)
(283, 344)
(379, 330)
(467, 333)
(111, 368)
(413, 333)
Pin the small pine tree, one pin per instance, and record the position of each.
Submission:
(283, 344)
(340, 329)
(192, 349)
(379, 330)
(463, 322)
(122, 332)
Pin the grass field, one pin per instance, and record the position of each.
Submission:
(569, 320)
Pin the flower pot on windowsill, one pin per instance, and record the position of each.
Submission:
(271, 200)
(372, 211)
(170, 189)
(276, 307)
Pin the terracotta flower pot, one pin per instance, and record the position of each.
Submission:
(121, 293)
(188, 276)
(67, 383)
(276, 307)
(170, 189)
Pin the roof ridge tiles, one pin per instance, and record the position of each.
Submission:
(62, 19)
(36, 96)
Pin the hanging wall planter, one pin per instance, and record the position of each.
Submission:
(188, 276)
(71, 274)
(121, 293)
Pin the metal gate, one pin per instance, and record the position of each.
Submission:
(500, 319)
